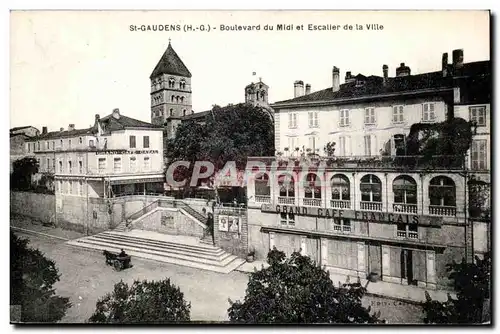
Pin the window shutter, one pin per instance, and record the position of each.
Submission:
(347, 117)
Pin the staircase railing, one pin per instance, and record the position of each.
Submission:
(141, 212)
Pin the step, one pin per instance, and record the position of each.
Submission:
(161, 243)
(219, 255)
(230, 266)
(176, 255)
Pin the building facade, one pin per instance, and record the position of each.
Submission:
(343, 190)
(18, 137)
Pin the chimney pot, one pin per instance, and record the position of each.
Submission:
(97, 117)
(61, 129)
(403, 70)
(402, 64)
(458, 58)
(116, 113)
(44, 130)
(335, 79)
(308, 89)
(71, 127)
(385, 70)
(298, 88)
(444, 64)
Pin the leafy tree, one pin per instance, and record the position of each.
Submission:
(330, 149)
(31, 280)
(296, 290)
(22, 171)
(472, 284)
(142, 302)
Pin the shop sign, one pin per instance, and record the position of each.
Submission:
(121, 152)
(369, 216)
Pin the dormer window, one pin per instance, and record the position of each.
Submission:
(360, 83)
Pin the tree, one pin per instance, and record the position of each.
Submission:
(142, 302)
(472, 284)
(22, 171)
(296, 290)
(31, 280)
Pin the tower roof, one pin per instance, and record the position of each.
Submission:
(170, 63)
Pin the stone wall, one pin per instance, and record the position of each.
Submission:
(170, 221)
(231, 230)
(37, 206)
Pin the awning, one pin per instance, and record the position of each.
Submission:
(142, 179)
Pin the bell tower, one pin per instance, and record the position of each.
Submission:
(170, 91)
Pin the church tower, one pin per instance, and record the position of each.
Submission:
(170, 91)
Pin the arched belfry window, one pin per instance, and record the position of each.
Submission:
(171, 83)
(182, 84)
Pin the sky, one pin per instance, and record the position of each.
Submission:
(65, 67)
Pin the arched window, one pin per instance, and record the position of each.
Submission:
(286, 185)
(371, 188)
(177, 99)
(262, 187)
(182, 84)
(405, 194)
(442, 191)
(171, 112)
(172, 98)
(405, 190)
(171, 83)
(182, 99)
(184, 112)
(340, 188)
(312, 186)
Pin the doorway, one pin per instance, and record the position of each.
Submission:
(407, 267)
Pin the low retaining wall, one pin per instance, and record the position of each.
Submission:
(34, 205)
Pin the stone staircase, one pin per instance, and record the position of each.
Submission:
(184, 251)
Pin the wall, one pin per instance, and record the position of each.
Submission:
(170, 221)
(233, 241)
(86, 216)
(38, 206)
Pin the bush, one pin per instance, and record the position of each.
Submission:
(142, 302)
(296, 290)
(31, 279)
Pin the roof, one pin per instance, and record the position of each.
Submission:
(170, 63)
(196, 115)
(108, 124)
(21, 127)
(373, 85)
(19, 134)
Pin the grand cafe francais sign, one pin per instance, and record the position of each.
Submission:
(370, 216)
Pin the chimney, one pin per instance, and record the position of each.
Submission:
(458, 58)
(97, 117)
(44, 130)
(444, 64)
(61, 129)
(335, 79)
(298, 87)
(116, 113)
(348, 77)
(403, 70)
(308, 89)
(71, 127)
(385, 70)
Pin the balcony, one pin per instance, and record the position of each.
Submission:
(262, 199)
(404, 208)
(396, 162)
(286, 200)
(312, 201)
(404, 234)
(371, 206)
(340, 204)
(437, 210)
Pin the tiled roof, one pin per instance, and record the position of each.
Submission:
(170, 63)
(373, 85)
(196, 115)
(108, 123)
(21, 128)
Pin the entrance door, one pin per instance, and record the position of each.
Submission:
(407, 266)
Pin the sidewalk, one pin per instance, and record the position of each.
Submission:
(406, 293)
(29, 225)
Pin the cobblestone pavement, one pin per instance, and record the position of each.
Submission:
(85, 278)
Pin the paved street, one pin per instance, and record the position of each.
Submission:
(85, 278)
